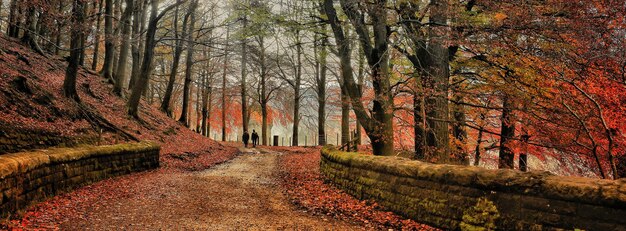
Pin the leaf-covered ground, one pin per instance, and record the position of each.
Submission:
(306, 188)
(31, 100)
(243, 194)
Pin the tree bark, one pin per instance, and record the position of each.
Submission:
(225, 71)
(322, 69)
(360, 79)
(13, 29)
(378, 126)
(117, 12)
(109, 45)
(60, 24)
(189, 63)
(146, 66)
(296, 93)
(244, 64)
(96, 49)
(178, 51)
(437, 77)
(419, 119)
(120, 75)
(507, 133)
(30, 34)
(138, 44)
(264, 96)
(205, 107)
(78, 35)
(345, 117)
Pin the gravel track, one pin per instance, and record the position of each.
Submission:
(242, 194)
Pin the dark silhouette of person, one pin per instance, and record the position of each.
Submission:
(255, 138)
(246, 137)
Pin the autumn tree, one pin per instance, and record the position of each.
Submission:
(120, 74)
(189, 62)
(147, 63)
(78, 35)
(375, 42)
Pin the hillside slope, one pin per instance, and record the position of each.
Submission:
(34, 114)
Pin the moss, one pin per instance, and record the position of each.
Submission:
(481, 217)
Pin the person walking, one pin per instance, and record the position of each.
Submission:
(246, 137)
(255, 138)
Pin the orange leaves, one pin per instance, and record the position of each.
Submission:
(306, 188)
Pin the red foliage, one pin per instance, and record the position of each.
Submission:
(306, 188)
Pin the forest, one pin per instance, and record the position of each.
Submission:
(469, 82)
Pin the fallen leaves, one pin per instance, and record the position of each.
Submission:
(306, 188)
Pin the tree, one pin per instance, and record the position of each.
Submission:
(109, 43)
(137, 46)
(189, 62)
(178, 51)
(244, 74)
(321, 69)
(146, 65)
(78, 35)
(96, 51)
(378, 125)
(13, 29)
(30, 34)
(120, 74)
(224, 72)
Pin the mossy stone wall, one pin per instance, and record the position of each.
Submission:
(29, 177)
(19, 140)
(470, 198)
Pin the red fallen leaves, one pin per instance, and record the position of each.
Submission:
(306, 188)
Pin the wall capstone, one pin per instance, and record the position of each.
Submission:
(29, 177)
(458, 197)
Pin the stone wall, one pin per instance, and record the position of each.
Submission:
(470, 198)
(18, 139)
(30, 177)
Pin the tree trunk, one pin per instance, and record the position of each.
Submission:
(378, 126)
(419, 119)
(225, 71)
(78, 35)
(264, 97)
(146, 65)
(208, 112)
(57, 43)
(96, 49)
(479, 140)
(297, 96)
(117, 12)
(189, 63)
(138, 44)
(178, 50)
(321, 89)
(458, 128)
(244, 64)
(507, 133)
(120, 75)
(345, 117)
(30, 37)
(109, 45)
(13, 29)
(205, 99)
(360, 79)
(437, 76)
(1, 5)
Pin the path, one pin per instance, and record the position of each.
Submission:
(241, 194)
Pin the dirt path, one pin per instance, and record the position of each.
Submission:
(243, 194)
